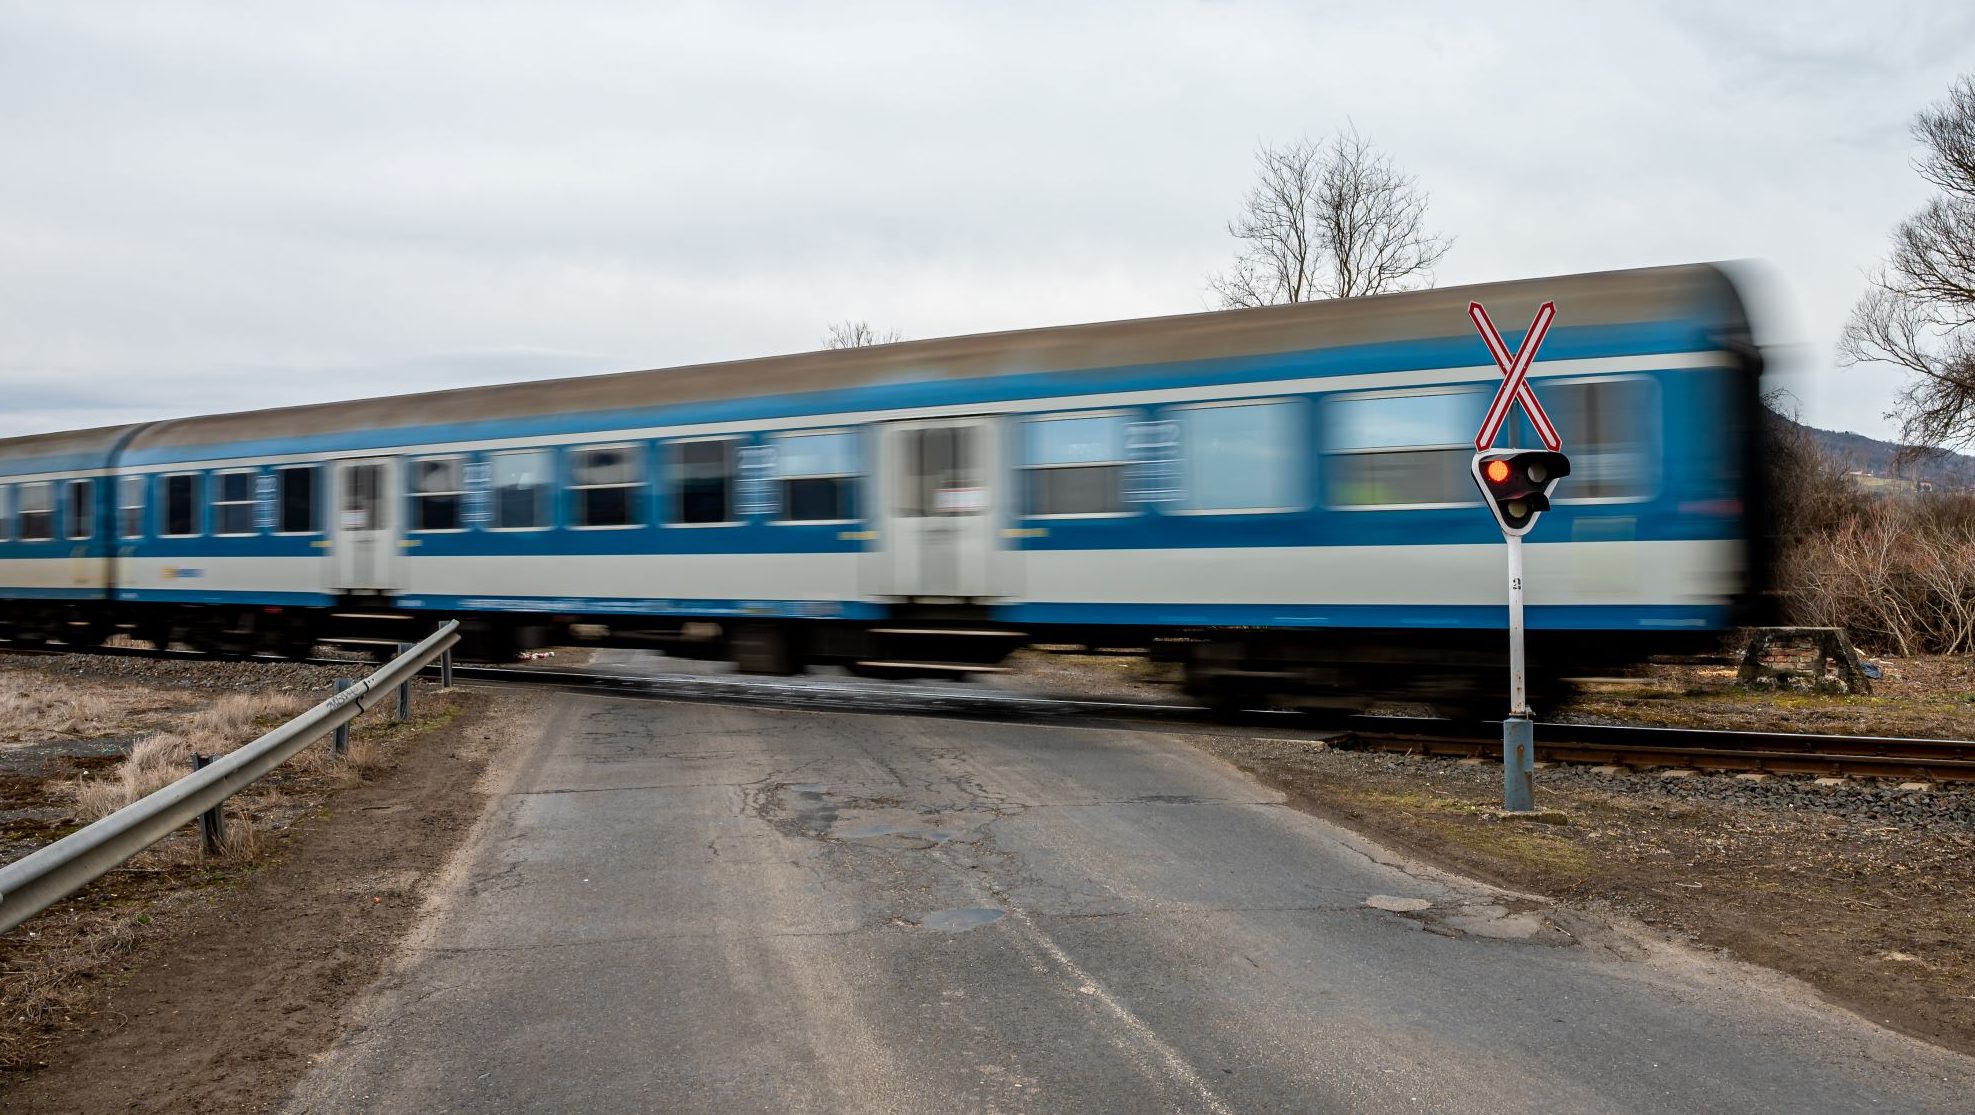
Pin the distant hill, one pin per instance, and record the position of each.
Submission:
(1856, 452)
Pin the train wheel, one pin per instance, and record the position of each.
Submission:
(765, 648)
(80, 635)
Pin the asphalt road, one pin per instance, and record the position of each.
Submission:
(686, 908)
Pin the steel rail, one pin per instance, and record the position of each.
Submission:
(48, 875)
(1703, 748)
(1618, 744)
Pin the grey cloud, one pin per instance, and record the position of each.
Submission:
(275, 204)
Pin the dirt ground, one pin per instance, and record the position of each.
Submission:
(184, 983)
(1927, 697)
(1865, 892)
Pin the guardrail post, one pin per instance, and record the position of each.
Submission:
(212, 823)
(342, 737)
(404, 691)
(446, 669)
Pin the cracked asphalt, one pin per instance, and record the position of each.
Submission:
(687, 907)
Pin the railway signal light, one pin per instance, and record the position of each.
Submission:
(1516, 484)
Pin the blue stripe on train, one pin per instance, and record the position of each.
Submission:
(640, 606)
(1555, 617)
(219, 596)
(82, 593)
(538, 605)
(1582, 342)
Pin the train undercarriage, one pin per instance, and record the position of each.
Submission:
(1454, 672)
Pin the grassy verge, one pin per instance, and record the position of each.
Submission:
(55, 969)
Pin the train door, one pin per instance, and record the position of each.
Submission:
(943, 503)
(363, 527)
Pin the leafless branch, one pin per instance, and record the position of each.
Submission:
(1328, 220)
(1919, 314)
(858, 334)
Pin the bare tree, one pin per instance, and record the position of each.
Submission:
(1920, 312)
(1332, 219)
(857, 334)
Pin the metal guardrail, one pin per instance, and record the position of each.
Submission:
(38, 880)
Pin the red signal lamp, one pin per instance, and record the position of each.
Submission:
(1516, 483)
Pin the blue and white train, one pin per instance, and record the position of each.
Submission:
(1277, 497)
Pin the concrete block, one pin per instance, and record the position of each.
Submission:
(1609, 771)
(1470, 761)
(1678, 773)
(1829, 781)
(1753, 776)
(1921, 786)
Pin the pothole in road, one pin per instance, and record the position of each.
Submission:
(1500, 921)
(879, 829)
(963, 919)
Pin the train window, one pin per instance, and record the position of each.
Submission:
(1241, 456)
(6, 520)
(1075, 464)
(181, 505)
(521, 489)
(438, 489)
(1407, 449)
(295, 493)
(703, 481)
(1609, 426)
(816, 474)
(37, 504)
(233, 503)
(608, 481)
(130, 506)
(81, 509)
(944, 472)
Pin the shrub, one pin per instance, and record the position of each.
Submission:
(1898, 571)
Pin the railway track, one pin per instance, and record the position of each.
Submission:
(1604, 744)
(1631, 745)
(1636, 746)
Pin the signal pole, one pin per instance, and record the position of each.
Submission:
(1518, 732)
(1516, 486)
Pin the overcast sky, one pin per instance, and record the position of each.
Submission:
(214, 207)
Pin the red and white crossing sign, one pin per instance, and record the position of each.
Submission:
(1515, 372)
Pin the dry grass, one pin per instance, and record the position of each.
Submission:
(1930, 696)
(321, 761)
(162, 758)
(36, 707)
(52, 970)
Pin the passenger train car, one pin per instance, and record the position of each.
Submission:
(1277, 497)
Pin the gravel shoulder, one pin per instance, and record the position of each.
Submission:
(207, 984)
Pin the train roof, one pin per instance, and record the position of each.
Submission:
(1613, 297)
(64, 451)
